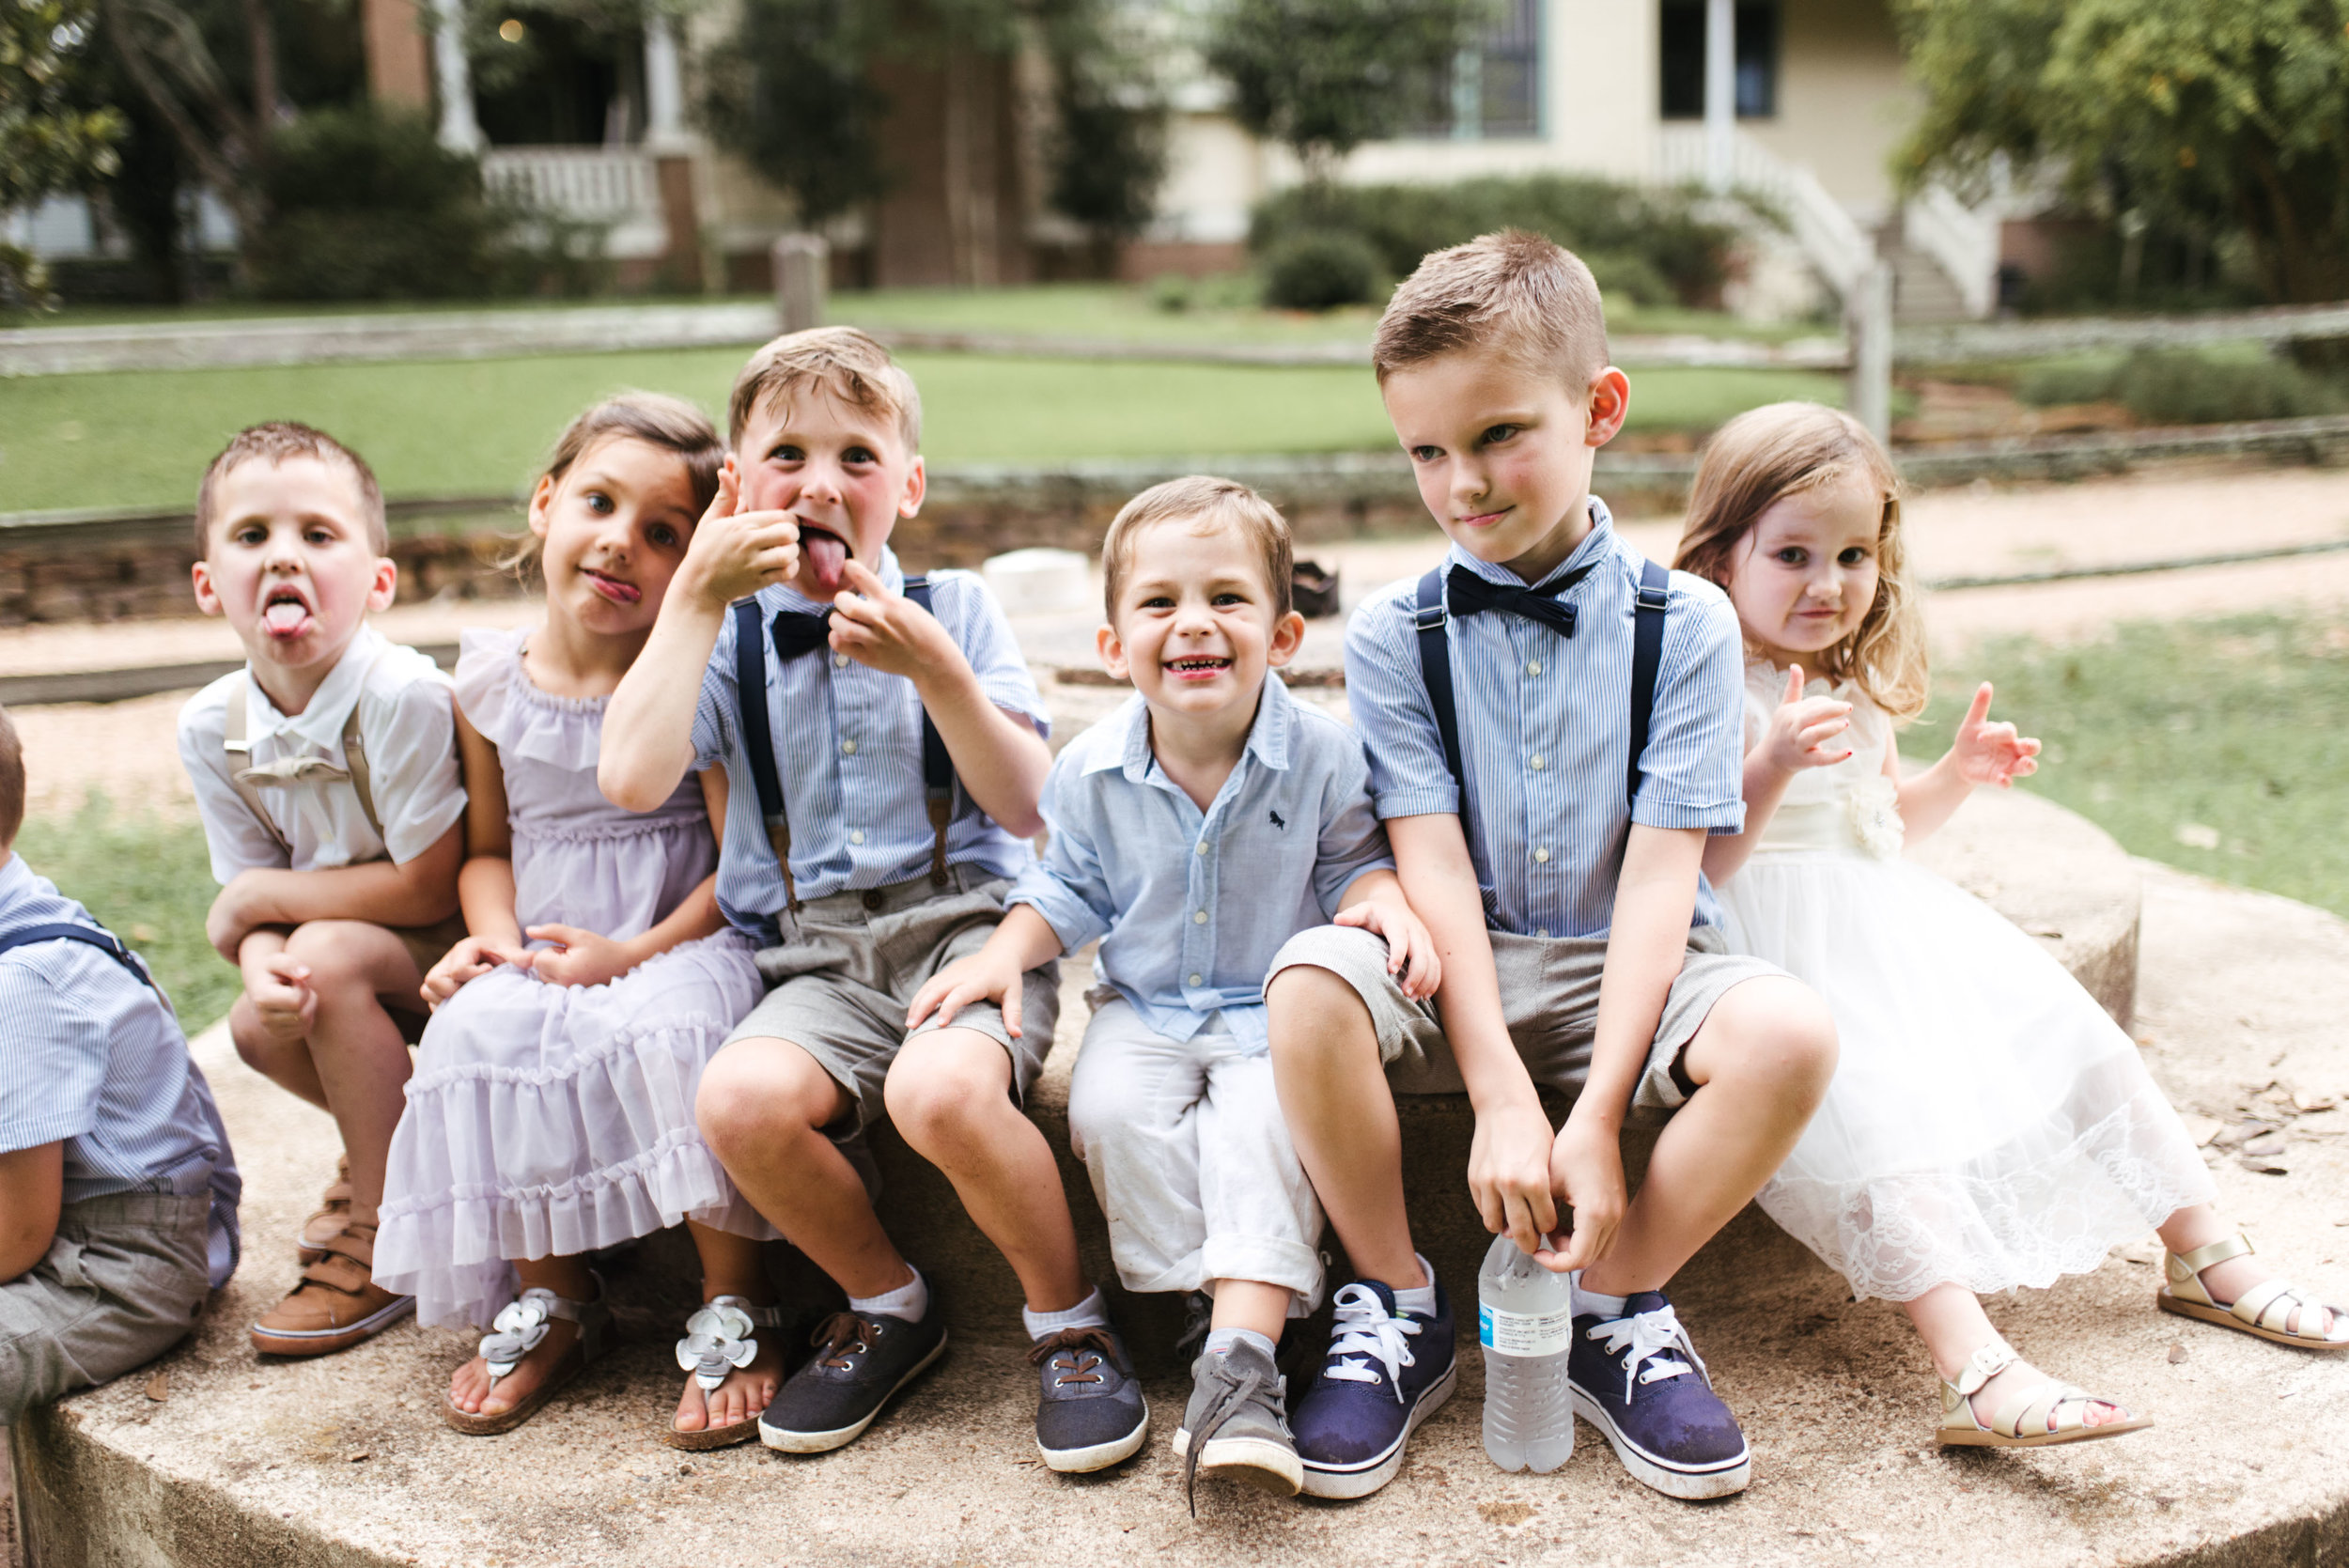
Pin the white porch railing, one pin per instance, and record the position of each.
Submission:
(1827, 233)
(615, 188)
(1963, 241)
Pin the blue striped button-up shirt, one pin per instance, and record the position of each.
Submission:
(1544, 732)
(848, 742)
(1191, 906)
(92, 1058)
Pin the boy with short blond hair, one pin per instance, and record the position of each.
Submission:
(1554, 727)
(885, 744)
(325, 771)
(1193, 832)
(118, 1191)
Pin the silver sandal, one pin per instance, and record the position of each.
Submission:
(719, 1340)
(519, 1329)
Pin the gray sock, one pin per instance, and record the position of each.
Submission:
(1220, 1341)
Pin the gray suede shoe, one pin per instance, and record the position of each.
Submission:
(1236, 1427)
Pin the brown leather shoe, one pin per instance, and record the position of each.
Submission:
(334, 1213)
(337, 1303)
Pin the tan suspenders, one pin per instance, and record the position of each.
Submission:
(240, 750)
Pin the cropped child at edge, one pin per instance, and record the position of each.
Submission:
(1988, 1126)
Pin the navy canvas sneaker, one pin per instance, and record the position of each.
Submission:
(1638, 1379)
(1385, 1373)
(1089, 1413)
(859, 1363)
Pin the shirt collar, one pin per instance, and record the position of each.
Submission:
(1598, 541)
(320, 723)
(1267, 736)
(16, 881)
(783, 596)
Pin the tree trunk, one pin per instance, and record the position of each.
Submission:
(263, 41)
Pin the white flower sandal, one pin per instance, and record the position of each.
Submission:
(2040, 1417)
(520, 1327)
(2265, 1309)
(719, 1340)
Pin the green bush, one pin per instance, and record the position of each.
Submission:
(1651, 242)
(2064, 382)
(1320, 270)
(365, 204)
(2181, 387)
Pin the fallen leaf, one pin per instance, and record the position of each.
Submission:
(2265, 1143)
(2202, 1128)
(2265, 1165)
(2309, 1102)
(2164, 1499)
(362, 1453)
(2196, 835)
(1508, 1513)
(159, 1387)
(2177, 1354)
(142, 932)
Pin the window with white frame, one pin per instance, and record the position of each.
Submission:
(1681, 54)
(1493, 90)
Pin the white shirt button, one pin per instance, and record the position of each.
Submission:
(1194, 980)
(1542, 931)
(1199, 918)
(1533, 666)
(1201, 848)
(848, 748)
(840, 662)
(1536, 764)
(1542, 855)
(857, 837)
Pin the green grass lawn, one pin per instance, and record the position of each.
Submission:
(478, 427)
(149, 882)
(2221, 746)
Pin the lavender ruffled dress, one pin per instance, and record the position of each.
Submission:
(554, 1120)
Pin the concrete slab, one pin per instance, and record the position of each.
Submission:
(343, 1462)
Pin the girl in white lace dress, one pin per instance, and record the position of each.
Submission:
(551, 1112)
(1988, 1126)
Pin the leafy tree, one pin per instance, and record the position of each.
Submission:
(1107, 152)
(220, 125)
(1326, 75)
(2179, 113)
(48, 140)
(787, 92)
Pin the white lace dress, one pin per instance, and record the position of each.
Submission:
(1989, 1124)
(546, 1120)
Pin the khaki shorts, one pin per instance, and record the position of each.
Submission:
(427, 945)
(121, 1283)
(842, 981)
(1549, 997)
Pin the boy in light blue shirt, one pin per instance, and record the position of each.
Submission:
(1193, 832)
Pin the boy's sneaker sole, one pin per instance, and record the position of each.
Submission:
(325, 1341)
(1249, 1461)
(824, 1442)
(1100, 1456)
(1361, 1481)
(1723, 1479)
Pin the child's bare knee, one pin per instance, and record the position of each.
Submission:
(1316, 1014)
(255, 1048)
(749, 1098)
(1787, 1034)
(941, 1094)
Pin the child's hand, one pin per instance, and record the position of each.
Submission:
(735, 553)
(234, 914)
(578, 957)
(1586, 1167)
(1509, 1174)
(470, 959)
(282, 998)
(1411, 950)
(886, 631)
(1984, 752)
(1800, 728)
(985, 975)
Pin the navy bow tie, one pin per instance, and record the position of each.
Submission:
(1467, 594)
(801, 631)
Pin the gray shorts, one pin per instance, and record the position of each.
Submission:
(1549, 997)
(840, 983)
(122, 1282)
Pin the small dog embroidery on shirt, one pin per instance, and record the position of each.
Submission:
(1276, 820)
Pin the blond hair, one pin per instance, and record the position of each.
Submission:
(278, 441)
(1201, 498)
(1518, 294)
(840, 361)
(1783, 449)
(671, 423)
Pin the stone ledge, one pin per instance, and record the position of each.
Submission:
(343, 1462)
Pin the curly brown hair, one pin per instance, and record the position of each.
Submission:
(1783, 449)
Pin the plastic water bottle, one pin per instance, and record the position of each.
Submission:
(1525, 1322)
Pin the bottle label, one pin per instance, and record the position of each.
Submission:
(1507, 1333)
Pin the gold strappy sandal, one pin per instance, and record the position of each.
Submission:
(2049, 1414)
(2265, 1310)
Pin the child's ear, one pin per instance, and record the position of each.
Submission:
(385, 587)
(206, 596)
(1609, 402)
(917, 485)
(541, 504)
(1112, 651)
(1289, 635)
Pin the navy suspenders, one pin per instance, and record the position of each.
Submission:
(750, 684)
(104, 940)
(1433, 624)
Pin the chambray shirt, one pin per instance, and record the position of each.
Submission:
(1544, 732)
(92, 1058)
(848, 745)
(1191, 906)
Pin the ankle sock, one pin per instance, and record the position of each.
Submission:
(1421, 1300)
(1220, 1341)
(1092, 1313)
(910, 1301)
(1588, 1301)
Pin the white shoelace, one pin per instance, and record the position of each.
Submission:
(1647, 1335)
(1365, 1328)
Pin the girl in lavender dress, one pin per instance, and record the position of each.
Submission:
(551, 1113)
